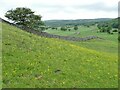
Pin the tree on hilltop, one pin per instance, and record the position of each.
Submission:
(24, 17)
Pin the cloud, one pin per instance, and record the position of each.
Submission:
(65, 9)
(99, 6)
(72, 8)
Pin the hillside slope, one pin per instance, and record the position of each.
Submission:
(33, 61)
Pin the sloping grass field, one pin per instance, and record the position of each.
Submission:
(31, 61)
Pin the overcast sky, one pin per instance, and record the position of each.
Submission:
(65, 9)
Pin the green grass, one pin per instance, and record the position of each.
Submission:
(84, 31)
(100, 46)
(108, 44)
(31, 61)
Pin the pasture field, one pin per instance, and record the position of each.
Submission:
(84, 31)
(31, 61)
(108, 43)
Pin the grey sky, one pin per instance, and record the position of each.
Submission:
(65, 9)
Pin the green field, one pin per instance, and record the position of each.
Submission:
(108, 43)
(31, 61)
(84, 31)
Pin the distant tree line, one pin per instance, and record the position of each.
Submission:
(105, 27)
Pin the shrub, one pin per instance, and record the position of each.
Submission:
(115, 30)
(53, 27)
(111, 32)
(63, 28)
(75, 27)
(69, 29)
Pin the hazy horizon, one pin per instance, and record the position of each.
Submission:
(79, 19)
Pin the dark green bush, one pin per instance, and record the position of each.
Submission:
(63, 28)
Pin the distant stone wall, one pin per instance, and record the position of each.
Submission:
(47, 35)
(68, 37)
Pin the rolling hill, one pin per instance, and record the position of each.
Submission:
(31, 61)
(58, 23)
